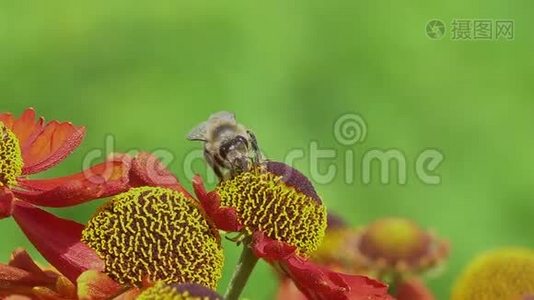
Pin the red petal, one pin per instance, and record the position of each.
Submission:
(288, 290)
(66, 288)
(22, 260)
(6, 200)
(95, 285)
(57, 239)
(116, 175)
(102, 180)
(130, 294)
(68, 194)
(16, 297)
(53, 144)
(44, 293)
(22, 275)
(413, 289)
(319, 283)
(313, 281)
(111, 176)
(225, 218)
(13, 277)
(269, 249)
(148, 170)
(7, 119)
(26, 128)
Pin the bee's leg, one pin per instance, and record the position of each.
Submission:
(234, 171)
(255, 147)
(218, 172)
(213, 165)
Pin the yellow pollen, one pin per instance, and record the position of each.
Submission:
(10, 157)
(506, 274)
(264, 202)
(156, 234)
(163, 291)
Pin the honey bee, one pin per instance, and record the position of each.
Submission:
(229, 147)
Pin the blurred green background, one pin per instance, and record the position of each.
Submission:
(147, 72)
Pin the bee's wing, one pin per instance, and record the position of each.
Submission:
(199, 133)
(223, 115)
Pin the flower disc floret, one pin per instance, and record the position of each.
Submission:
(277, 203)
(506, 274)
(10, 157)
(156, 234)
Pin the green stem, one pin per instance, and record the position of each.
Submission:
(394, 282)
(244, 268)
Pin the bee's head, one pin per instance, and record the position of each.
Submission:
(236, 152)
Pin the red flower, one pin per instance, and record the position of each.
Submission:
(339, 250)
(279, 208)
(314, 281)
(22, 276)
(122, 271)
(397, 247)
(28, 146)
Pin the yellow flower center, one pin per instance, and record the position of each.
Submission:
(506, 274)
(156, 234)
(10, 157)
(395, 246)
(265, 202)
(394, 239)
(163, 291)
